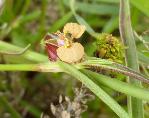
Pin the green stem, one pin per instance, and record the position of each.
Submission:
(135, 106)
(107, 81)
(43, 67)
(25, 6)
(18, 67)
(43, 15)
(30, 55)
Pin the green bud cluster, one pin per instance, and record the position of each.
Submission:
(109, 47)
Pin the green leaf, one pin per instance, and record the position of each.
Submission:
(143, 58)
(7, 106)
(91, 8)
(61, 22)
(30, 55)
(7, 14)
(111, 25)
(94, 88)
(43, 67)
(108, 1)
(83, 22)
(119, 86)
(100, 9)
(29, 17)
(135, 106)
(32, 109)
(142, 5)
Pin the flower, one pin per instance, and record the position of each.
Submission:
(51, 46)
(52, 52)
(74, 29)
(71, 54)
(61, 45)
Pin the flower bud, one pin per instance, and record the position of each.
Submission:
(109, 47)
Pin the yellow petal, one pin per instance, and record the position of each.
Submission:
(71, 54)
(74, 29)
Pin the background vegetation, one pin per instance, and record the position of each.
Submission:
(29, 94)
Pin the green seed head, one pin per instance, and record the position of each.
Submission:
(109, 47)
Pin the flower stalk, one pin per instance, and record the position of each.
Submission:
(135, 106)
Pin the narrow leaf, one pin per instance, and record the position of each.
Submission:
(135, 106)
(95, 89)
(4, 102)
(119, 86)
(61, 22)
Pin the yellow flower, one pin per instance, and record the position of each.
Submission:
(74, 29)
(71, 54)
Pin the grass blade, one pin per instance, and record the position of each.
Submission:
(119, 86)
(142, 5)
(43, 67)
(32, 109)
(81, 20)
(143, 58)
(97, 64)
(99, 9)
(135, 106)
(108, 1)
(30, 55)
(8, 107)
(61, 22)
(94, 88)
(111, 25)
